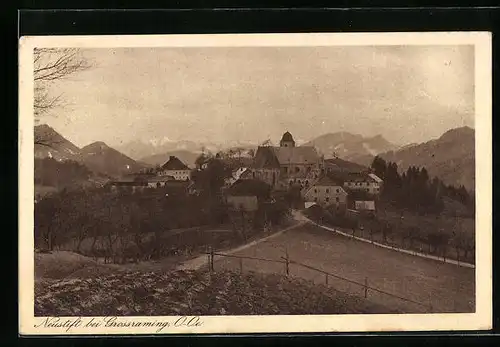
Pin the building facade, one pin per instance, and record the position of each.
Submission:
(327, 192)
(175, 168)
(363, 182)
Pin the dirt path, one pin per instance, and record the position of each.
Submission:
(301, 217)
(200, 261)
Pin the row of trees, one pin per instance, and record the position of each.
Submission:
(110, 220)
(457, 245)
(100, 223)
(414, 189)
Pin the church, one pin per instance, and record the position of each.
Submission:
(288, 164)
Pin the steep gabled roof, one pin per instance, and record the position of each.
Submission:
(265, 158)
(250, 187)
(174, 163)
(296, 155)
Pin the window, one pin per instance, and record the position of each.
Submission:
(327, 190)
(315, 190)
(338, 190)
(315, 199)
(337, 199)
(327, 199)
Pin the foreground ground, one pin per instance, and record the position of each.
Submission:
(103, 290)
(448, 288)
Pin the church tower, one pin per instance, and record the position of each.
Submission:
(287, 140)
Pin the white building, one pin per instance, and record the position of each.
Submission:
(369, 183)
(326, 192)
(175, 168)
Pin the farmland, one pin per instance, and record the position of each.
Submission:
(73, 285)
(447, 288)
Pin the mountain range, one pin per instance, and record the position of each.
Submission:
(349, 146)
(449, 157)
(155, 151)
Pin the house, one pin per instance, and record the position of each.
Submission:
(247, 195)
(127, 186)
(175, 168)
(365, 182)
(240, 173)
(159, 181)
(327, 192)
(287, 165)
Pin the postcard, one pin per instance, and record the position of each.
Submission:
(255, 183)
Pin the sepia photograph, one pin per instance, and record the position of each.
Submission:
(255, 183)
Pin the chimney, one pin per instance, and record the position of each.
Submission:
(172, 157)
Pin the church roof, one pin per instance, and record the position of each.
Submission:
(287, 137)
(296, 155)
(265, 158)
(174, 163)
(326, 181)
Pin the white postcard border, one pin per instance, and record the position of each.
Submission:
(480, 320)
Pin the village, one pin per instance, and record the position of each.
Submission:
(270, 173)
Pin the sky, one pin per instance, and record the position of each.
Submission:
(405, 93)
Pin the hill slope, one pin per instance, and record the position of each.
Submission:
(450, 157)
(50, 144)
(350, 146)
(101, 158)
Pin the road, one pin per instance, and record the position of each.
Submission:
(299, 216)
(200, 261)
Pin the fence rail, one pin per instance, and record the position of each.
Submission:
(287, 261)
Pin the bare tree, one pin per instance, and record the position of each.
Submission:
(50, 65)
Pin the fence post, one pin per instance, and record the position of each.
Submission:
(211, 259)
(241, 265)
(366, 287)
(287, 262)
(209, 253)
(326, 279)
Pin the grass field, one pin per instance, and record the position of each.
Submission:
(448, 288)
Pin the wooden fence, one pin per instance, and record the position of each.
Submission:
(287, 262)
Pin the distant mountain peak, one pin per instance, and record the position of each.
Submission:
(450, 157)
(350, 146)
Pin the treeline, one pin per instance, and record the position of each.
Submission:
(415, 190)
(114, 221)
(129, 225)
(50, 172)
